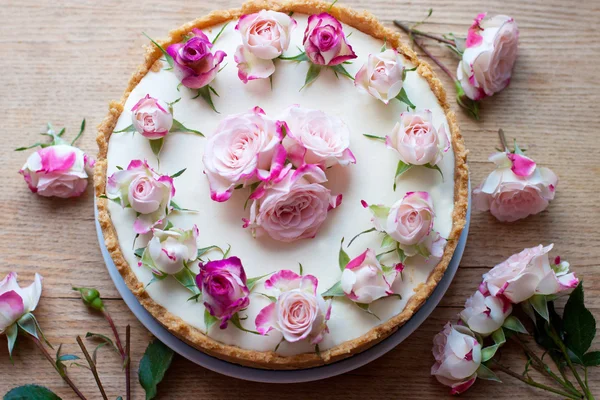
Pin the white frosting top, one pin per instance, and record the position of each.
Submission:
(371, 179)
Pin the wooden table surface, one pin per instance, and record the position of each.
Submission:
(64, 60)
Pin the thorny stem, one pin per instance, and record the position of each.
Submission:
(412, 31)
(128, 362)
(92, 365)
(64, 375)
(531, 382)
(115, 333)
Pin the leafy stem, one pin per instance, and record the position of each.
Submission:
(92, 365)
(413, 31)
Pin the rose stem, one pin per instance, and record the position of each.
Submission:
(563, 349)
(51, 360)
(128, 362)
(92, 365)
(503, 140)
(543, 368)
(115, 333)
(413, 31)
(531, 382)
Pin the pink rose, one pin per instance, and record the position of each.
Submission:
(528, 273)
(194, 64)
(381, 75)
(145, 191)
(294, 206)
(314, 137)
(251, 67)
(244, 148)
(457, 357)
(485, 313)
(266, 34)
(515, 189)
(16, 301)
(416, 139)
(299, 312)
(489, 57)
(169, 251)
(325, 42)
(364, 279)
(224, 290)
(58, 170)
(151, 118)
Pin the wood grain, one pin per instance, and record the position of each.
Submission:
(64, 60)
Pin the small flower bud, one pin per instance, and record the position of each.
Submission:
(91, 297)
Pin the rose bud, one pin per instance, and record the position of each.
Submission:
(169, 251)
(325, 42)
(381, 75)
(151, 118)
(485, 313)
(91, 298)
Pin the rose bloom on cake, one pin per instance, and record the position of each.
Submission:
(145, 191)
(169, 250)
(516, 189)
(313, 137)
(381, 76)
(151, 118)
(299, 312)
(325, 42)
(224, 288)
(265, 36)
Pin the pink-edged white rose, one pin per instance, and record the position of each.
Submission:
(364, 279)
(299, 312)
(251, 67)
(58, 171)
(381, 75)
(516, 189)
(16, 301)
(485, 313)
(145, 191)
(266, 34)
(294, 206)
(194, 63)
(416, 139)
(314, 137)
(224, 289)
(245, 148)
(528, 273)
(489, 57)
(169, 250)
(325, 42)
(151, 118)
(457, 357)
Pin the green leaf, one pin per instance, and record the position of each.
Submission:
(156, 145)
(30, 392)
(331, 5)
(387, 241)
(403, 97)
(11, 335)
(27, 323)
(220, 32)
(179, 127)
(29, 147)
(155, 362)
(251, 282)
(235, 320)
(209, 320)
(342, 71)
(406, 70)
(484, 372)
(205, 250)
(591, 359)
(227, 252)
(298, 58)
(130, 128)
(401, 169)
(81, 129)
(178, 173)
(343, 258)
(301, 269)
(471, 106)
(103, 338)
(167, 56)
(498, 336)
(517, 149)
(540, 305)
(579, 323)
(435, 167)
(514, 324)
(334, 291)
(384, 253)
(168, 226)
(365, 307)
(177, 208)
(311, 75)
(204, 92)
(487, 353)
(381, 138)
(273, 299)
(362, 233)
(187, 279)
(139, 252)
(379, 211)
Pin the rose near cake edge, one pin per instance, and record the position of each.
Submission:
(231, 344)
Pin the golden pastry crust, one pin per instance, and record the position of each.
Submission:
(368, 24)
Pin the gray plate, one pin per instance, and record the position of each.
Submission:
(295, 376)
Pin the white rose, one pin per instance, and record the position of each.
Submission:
(485, 313)
(381, 75)
(170, 250)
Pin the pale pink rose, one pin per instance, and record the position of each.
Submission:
(325, 42)
(528, 273)
(381, 75)
(364, 279)
(245, 148)
(490, 54)
(266, 34)
(314, 137)
(58, 171)
(251, 67)
(169, 251)
(151, 118)
(294, 206)
(485, 313)
(515, 189)
(457, 357)
(299, 312)
(145, 191)
(417, 141)
(16, 301)
(224, 288)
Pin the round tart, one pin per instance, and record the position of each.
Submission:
(252, 267)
